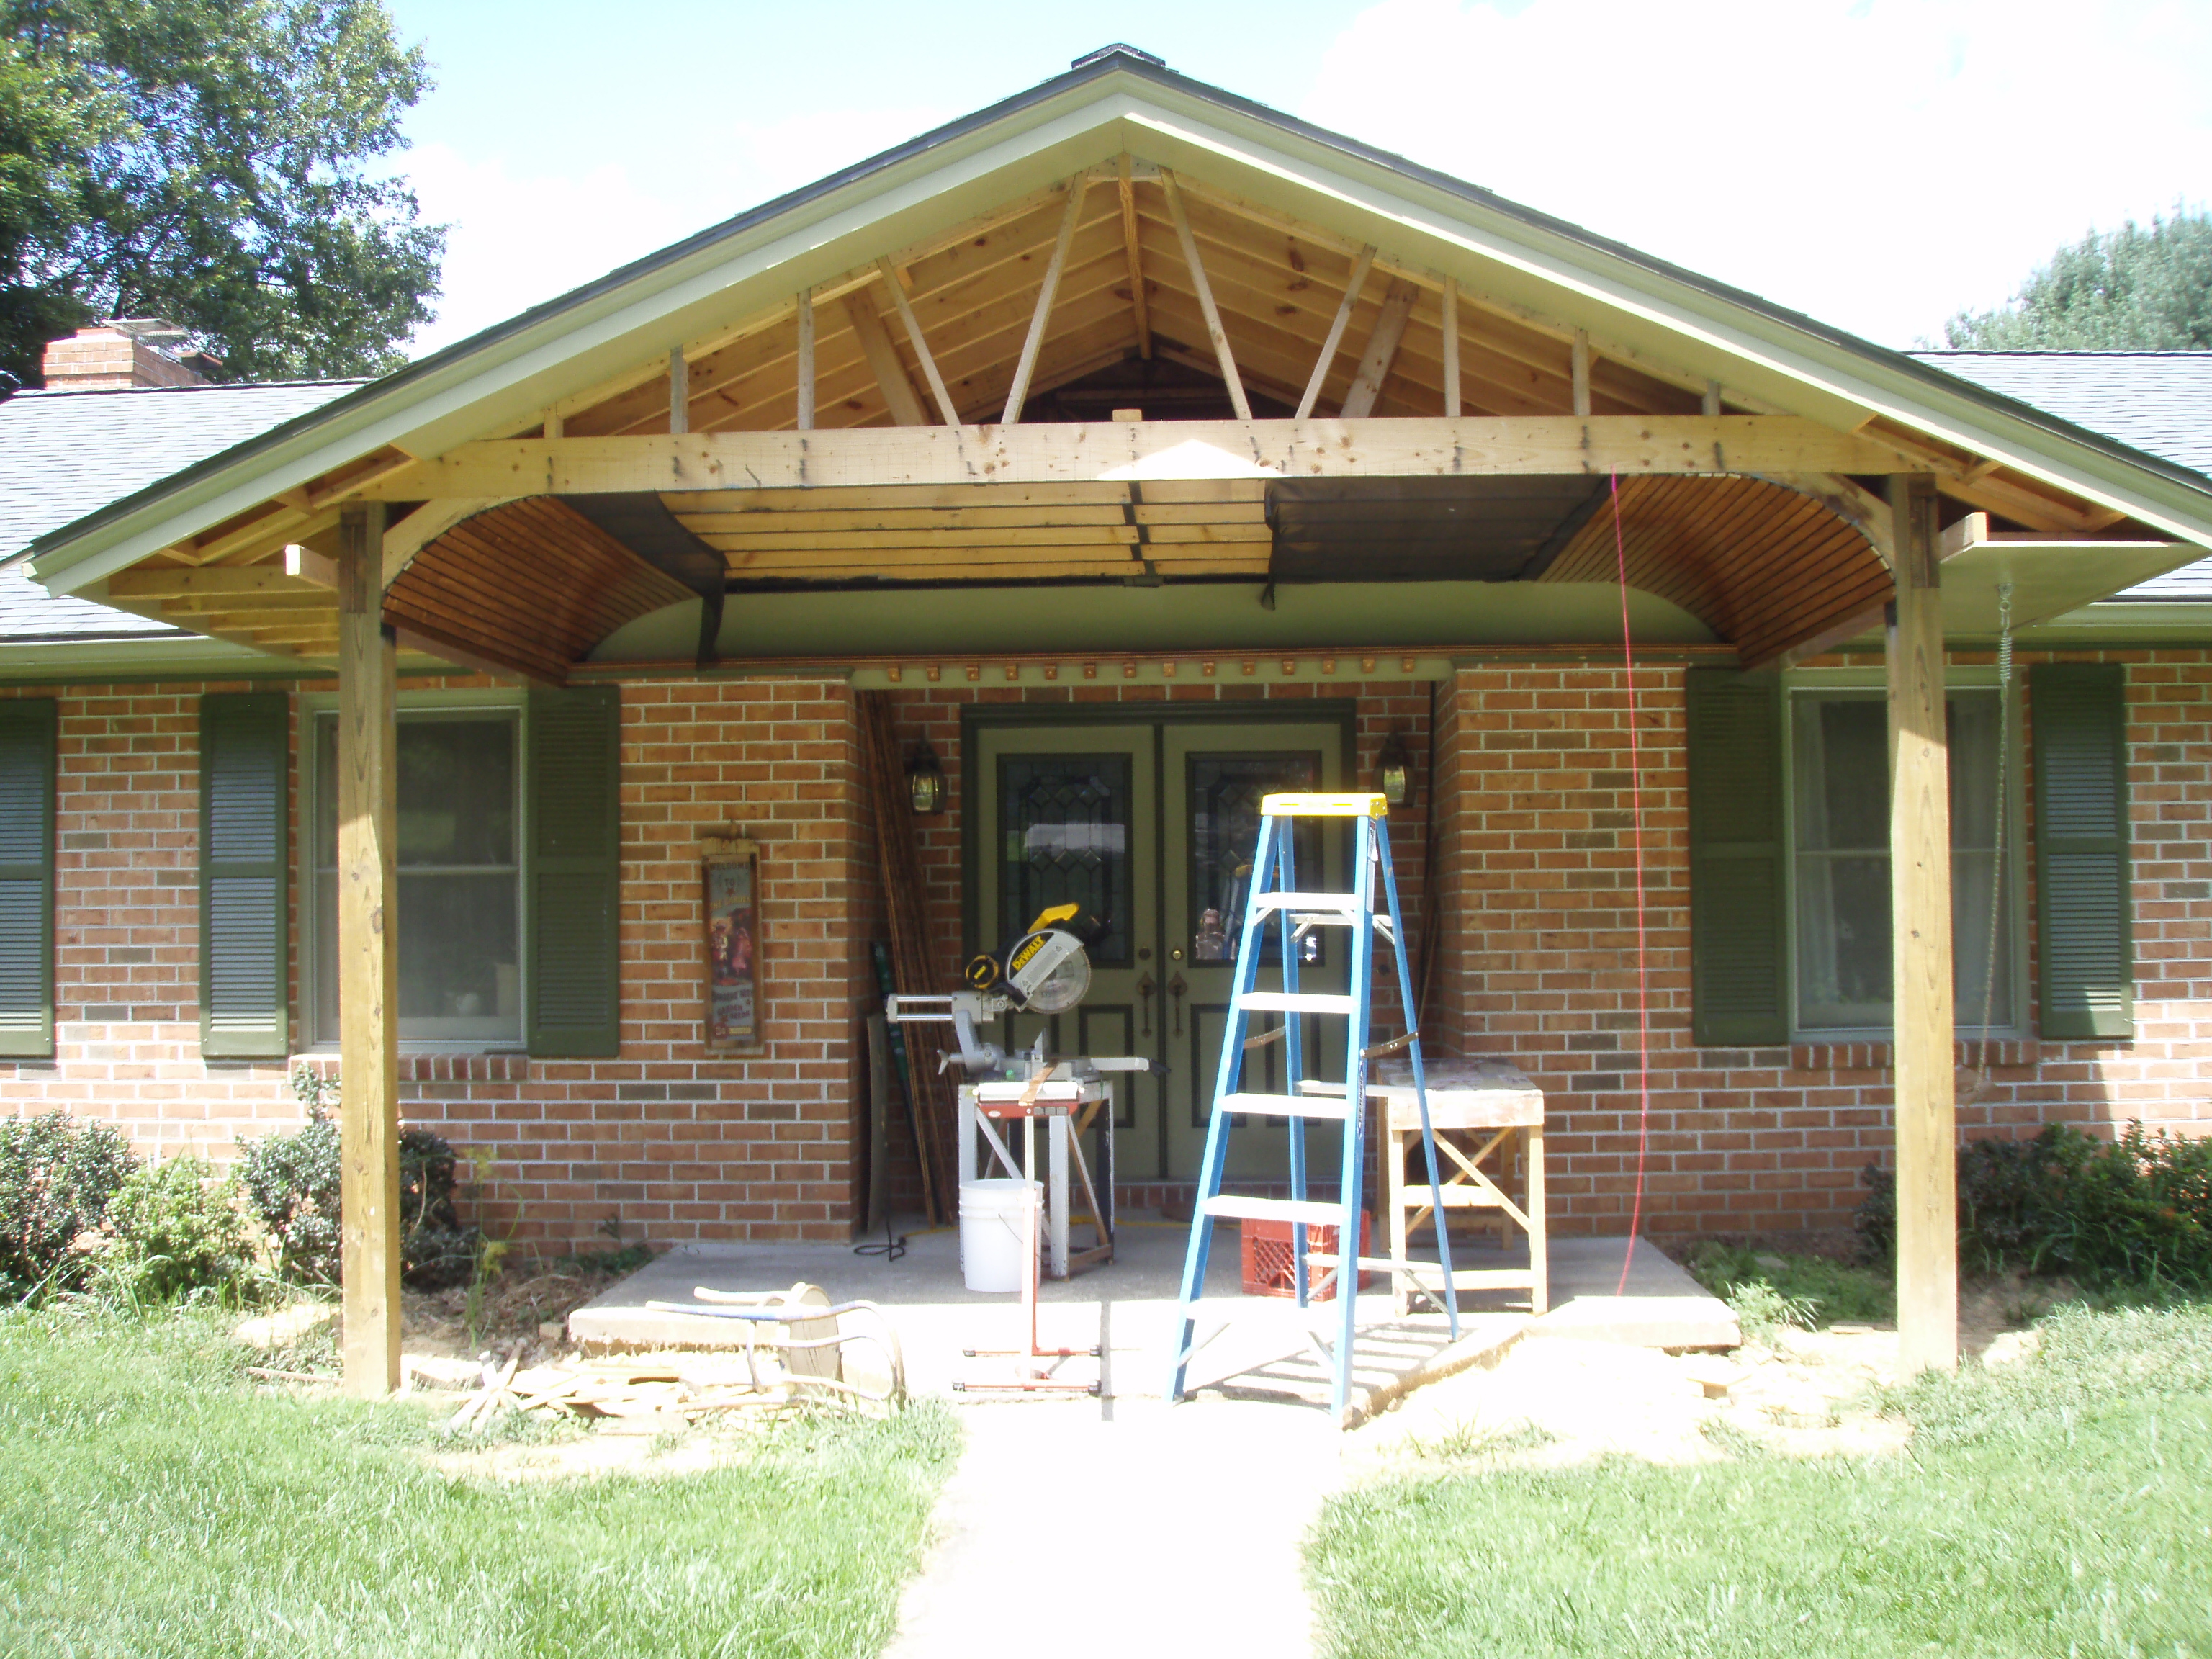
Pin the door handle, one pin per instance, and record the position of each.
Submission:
(1175, 988)
(1145, 989)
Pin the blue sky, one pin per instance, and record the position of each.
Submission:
(1879, 163)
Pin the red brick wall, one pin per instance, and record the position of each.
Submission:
(1538, 868)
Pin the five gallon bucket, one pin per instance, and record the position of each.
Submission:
(993, 1231)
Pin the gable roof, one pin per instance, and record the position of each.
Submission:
(64, 454)
(2159, 402)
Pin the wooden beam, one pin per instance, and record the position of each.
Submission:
(224, 582)
(368, 963)
(429, 521)
(806, 359)
(1214, 331)
(1111, 451)
(309, 566)
(1130, 245)
(1920, 933)
(679, 391)
(884, 359)
(1382, 350)
(1852, 502)
(1047, 292)
(952, 415)
(1325, 358)
(1578, 360)
(1451, 347)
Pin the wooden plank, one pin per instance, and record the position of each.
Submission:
(306, 565)
(679, 391)
(224, 584)
(1009, 498)
(555, 424)
(1048, 290)
(806, 359)
(1920, 910)
(1128, 190)
(408, 538)
(883, 358)
(1118, 535)
(368, 963)
(1382, 351)
(1326, 359)
(1214, 331)
(734, 526)
(1710, 403)
(1107, 451)
(945, 408)
(940, 570)
(1579, 369)
(1451, 332)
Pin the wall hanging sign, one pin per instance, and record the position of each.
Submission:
(734, 1005)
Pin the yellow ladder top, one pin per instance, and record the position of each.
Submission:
(1326, 806)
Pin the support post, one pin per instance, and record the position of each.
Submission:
(1920, 922)
(914, 335)
(1451, 347)
(368, 959)
(1129, 243)
(1578, 370)
(806, 359)
(680, 391)
(1200, 286)
(1047, 291)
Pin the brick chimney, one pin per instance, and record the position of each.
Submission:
(122, 352)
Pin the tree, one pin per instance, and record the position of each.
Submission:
(218, 163)
(2131, 290)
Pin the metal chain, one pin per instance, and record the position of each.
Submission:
(1996, 851)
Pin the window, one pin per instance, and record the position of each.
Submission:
(460, 877)
(1839, 861)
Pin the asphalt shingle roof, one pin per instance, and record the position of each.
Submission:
(62, 455)
(2159, 402)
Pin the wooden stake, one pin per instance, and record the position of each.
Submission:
(1020, 392)
(1382, 351)
(1578, 363)
(368, 960)
(1360, 267)
(1129, 242)
(1215, 333)
(806, 359)
(679, 391)
(1451, 346)
(883, 358)
(1920, 912)
(913, 327)
(1712, 401)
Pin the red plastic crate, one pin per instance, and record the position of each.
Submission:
(1269, 1264)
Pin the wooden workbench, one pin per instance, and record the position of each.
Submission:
(1484, 1113)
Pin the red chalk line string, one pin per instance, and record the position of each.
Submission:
(1643, 979)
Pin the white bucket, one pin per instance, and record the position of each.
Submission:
(991, 1226)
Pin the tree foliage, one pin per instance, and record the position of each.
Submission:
(2130, 290)
(220, 163)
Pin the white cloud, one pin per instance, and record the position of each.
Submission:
(519, 236)
(1877, 164)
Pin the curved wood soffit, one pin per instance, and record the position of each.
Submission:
(533, 584)
(1763, 566)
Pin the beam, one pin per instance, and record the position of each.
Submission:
(1578, 370)
(1047, 291)
(1326, 359)
(1451, 347)
(368, 963)
(679, 391)
(1920, 933)
(1382, 351)
(1207, 309)
(224, 582)
(1710, 403)
(1130, 243)
(429, 521)
(945, 408)
(1110, 450)
(806, 359)
(883, 358)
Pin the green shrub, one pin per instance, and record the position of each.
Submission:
(56, 1177)
(292, 1181)
(2135, 1212)
(1767, 1290)
(175, 1231)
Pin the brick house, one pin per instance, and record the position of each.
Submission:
(1133, 449)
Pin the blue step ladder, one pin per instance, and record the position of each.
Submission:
(1274, 895)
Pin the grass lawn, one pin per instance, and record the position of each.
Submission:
(152, 1503)
(2059, 1505)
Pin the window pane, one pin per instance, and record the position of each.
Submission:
(1225, 791)
(326, 791)
(458, 974)
(1843, 942)
(457, 792)
(1842, 750)
(1063, 832)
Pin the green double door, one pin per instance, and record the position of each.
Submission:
(1150, 825)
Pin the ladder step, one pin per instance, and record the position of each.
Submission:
(1298, 1002)
(1343, 905)
(1230, 1207)
(1287, 1106)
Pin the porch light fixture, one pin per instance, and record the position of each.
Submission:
(1394, 771)
(925, 781)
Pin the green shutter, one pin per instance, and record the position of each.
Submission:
(244, 979)
(574, 872)
(2081, 880)
(1738, 859)
(27, 878)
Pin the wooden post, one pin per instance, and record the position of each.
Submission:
(920, 346)
(1920, 920)
(1578, 371)
(368, 959)
(1200, 286)
(1070, 216)
(1327, 358)
(806, 359)
(1137, 301)
(1451, 346)
(680, 391)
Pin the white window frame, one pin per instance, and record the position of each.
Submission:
(313, 706)
(2014, 967)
